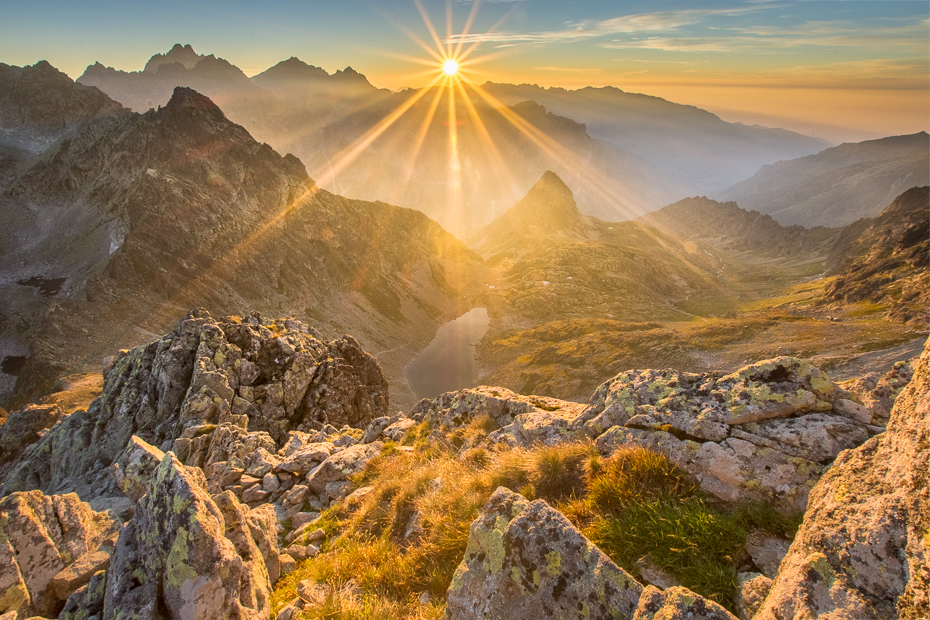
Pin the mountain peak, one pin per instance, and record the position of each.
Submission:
(549, 205)
(547, 214)
(184, 55)
(189, 100)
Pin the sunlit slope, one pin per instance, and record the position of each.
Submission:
(710, 287)
(839, 185)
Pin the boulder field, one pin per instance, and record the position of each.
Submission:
(196, 481)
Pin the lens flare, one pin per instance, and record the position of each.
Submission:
(450, 67)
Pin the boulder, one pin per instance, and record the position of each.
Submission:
(87, 601)
(754, 587)
(863, 550)
(767, 553)
(525, 560)
(24, 427)
(52, 545)
(456, 409)
(877, 393)
(678, 603)
(775, 388)
(733, 470)
(183, 556)
(338, 467)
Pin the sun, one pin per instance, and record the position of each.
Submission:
(450, 67)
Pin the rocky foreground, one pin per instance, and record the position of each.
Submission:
(199, 477)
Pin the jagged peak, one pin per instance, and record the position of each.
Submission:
(181, 54)
(186, 99)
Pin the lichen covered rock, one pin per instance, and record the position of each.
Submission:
(174, 557)
(455, 409)
(202, 391)
(678, 603)
(863, 549)
(766, 432)
(49, 547)
(526, 561)
(24, 427)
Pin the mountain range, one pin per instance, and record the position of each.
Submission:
(126, 220)
(623, 154)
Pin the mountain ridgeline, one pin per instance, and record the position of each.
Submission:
(623, 154)
(838, 185)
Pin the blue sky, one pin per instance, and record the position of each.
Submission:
(836, 66)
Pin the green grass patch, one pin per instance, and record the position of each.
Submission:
(866, 309)
(408, 535)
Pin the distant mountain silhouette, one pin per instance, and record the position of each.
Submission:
(839, 185)
(697, 149)
(623, 154)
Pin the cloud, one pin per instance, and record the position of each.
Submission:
(582, 70)
(658, 21)
(676, 31)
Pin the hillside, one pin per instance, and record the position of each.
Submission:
(888, 262)
(39, 104)
(838, 185)
(700, 218)
(133, 218)
(698, 285)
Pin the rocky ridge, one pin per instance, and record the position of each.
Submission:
(216, 446)
(885, 260)
(39, 104)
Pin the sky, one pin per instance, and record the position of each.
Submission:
(843, 70)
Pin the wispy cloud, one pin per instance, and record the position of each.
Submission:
(906, 35)
(658, 21)
(582, 70)
(708, 30)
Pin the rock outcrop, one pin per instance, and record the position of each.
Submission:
(24, 427)
(766, 432)
(678, 603)
(49, 547)
(863, 549)
(183, 556)
(526, 561)
(221, 395)
(522, 420)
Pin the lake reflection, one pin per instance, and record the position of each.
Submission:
(449, 362)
